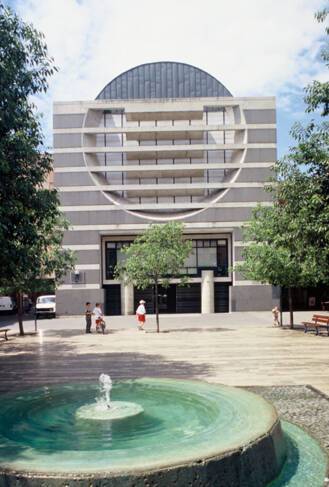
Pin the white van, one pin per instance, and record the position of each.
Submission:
(46, 305)
(7, 304)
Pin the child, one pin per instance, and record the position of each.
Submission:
(140, 314)
(88, 314)
(275, 313)
(99, 319)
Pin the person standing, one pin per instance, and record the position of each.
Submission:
(99, 318)
(275, 314)
(88, 314)
(141, 314)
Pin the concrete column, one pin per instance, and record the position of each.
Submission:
(207, 292)
(127, 298)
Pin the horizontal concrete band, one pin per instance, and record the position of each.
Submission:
(164, 167)
(82, 246)
(166, 129)
(254, 155)
(234, 195)
(79, 287)
(83, 242)
(164, 187)
(168, 104)
(165, 206)
(248, 283)
(87, 267)
(254, 119)
(140, 149)
(104, 217)
(143, 226)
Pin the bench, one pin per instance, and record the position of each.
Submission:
(5, 330)
(318, 321)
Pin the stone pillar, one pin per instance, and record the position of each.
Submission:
(127, 298)
(207, 292)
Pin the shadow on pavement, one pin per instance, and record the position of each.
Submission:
(192, 330)
(24, 366)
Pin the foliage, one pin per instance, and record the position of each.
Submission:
(156, 256)
(31, 225)
(289, 242)
(317, 93)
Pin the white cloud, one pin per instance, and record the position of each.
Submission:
(255, 47)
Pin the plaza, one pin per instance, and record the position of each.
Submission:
(287, 367)
(238, 349)
(152, 182)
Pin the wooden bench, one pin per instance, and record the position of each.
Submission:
(317, 322)
(4, 330)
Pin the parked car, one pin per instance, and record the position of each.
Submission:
(7, 304)
(46, 305)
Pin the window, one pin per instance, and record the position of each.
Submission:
(207, 257)
(113, 140)
(113, 256)
(208, 254)
(114, 158)
(113, 120)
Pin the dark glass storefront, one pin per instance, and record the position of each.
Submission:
(311, 298)
(174, 299)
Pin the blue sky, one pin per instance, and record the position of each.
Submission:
(254, 47)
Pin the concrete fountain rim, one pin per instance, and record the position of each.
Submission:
(272, 426)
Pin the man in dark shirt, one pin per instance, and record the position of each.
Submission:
(88, 314)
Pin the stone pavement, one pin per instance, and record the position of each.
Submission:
(240, 349)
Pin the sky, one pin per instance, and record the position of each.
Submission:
(254, 47)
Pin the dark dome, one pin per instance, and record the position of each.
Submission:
(163, 80)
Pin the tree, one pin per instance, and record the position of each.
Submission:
(317, 93)
(278, 252)
(155, 257)
(289, 242)
(31, 225)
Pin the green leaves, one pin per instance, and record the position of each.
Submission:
(317, 93)
(158, 253)
(290, 241)
(156, 256)
(31, 225)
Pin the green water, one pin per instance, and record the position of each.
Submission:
(39, 430)
(306, 464)
(182, 420)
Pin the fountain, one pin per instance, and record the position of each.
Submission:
(156, 432)
(104, 409)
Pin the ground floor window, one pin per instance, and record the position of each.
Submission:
(207, 254)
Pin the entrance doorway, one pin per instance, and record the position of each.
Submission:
(173, 299)
(112, 304)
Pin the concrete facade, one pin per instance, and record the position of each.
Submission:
(121, 164)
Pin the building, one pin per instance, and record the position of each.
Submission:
(163, 141)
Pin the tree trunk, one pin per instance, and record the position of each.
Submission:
(19, 298)
(291, 311)
(157, 305)
(281, 314)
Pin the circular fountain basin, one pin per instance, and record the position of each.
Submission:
(189, 433)
(117, 410)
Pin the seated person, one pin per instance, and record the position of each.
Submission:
(99, 318)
